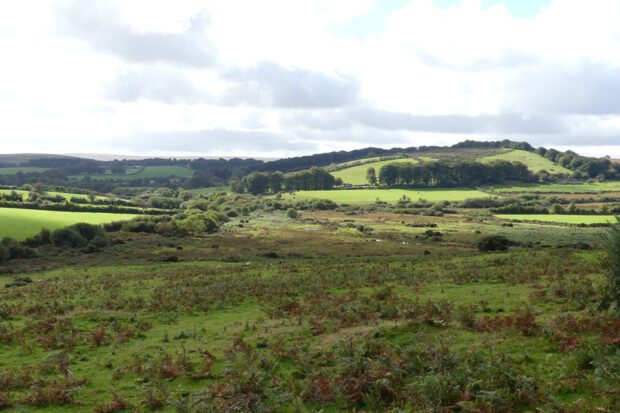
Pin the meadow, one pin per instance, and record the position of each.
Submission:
(23, 223)
(561, 218)
(534, 162)
(148, 172)
(268, 316)
(369, 196)
(356, 175)
(22, 169)
(65, 195)
(560, 188)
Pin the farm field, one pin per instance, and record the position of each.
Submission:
(356, 175)
(22, 223)
(561, 218)
(585, 188)
(211, 190)
(534, 162)
(369, 196)
(65, 195)
(23, 169)
(144, 173)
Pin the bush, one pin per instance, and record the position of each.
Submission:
(291, 213)
(493, 243)
(612, 265)
(67, 238)
(4, 253)
(88, 231)
(18, 250)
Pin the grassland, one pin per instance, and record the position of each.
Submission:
(564, 219)
(65, 195)
(22, 223)
(534, 162)
(369, 196)
(24, 169)
(356, 175)
(585, 188)
(340, 317)
(148, 172)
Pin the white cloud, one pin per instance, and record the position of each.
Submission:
(82, 76)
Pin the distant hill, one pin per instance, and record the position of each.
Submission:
(18, 158)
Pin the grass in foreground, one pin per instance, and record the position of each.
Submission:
(561, 218)
(369, 196)
(22, 223)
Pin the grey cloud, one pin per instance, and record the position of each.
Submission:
(271, 85)
(586, 89)
(212, 141)
(96, 22)
(398, 121)
(157, 84)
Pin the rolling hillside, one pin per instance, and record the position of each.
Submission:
(534, 162)
(356, 175)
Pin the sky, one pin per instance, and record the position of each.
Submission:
(276, 78)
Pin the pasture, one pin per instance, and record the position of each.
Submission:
(23, 223)
(579, 188)
(23, 169)
(65, 195)
(148, 172)
(534, 162)
(561, 218)
(356, 175)
(369, 196)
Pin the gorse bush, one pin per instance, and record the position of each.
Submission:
(67, 238)
(612, 264)
(493, 243)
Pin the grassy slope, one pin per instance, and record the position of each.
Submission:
(65, 195)
(356, 175)
(534, 162)
(23, 169)
(147, 172)
(22, 223)
(586, 188)
(368, 196)
(565, 219)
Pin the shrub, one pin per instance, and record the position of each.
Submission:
(4, 253)
(291, 213)
(493, 243)
(88, 231)
(17, 250)
(612, 265)
(67, 238)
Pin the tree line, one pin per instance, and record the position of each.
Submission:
(314, 179)
(450, 173)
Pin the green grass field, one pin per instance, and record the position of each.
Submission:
(147, 172)
(212, 190)
(368, 196)
(65, 195)
(586, 188)
(563, 219)
(23, 169)
(22, 223)
(534, 162)
(356, 175)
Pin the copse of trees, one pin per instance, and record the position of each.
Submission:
(261, 182)
(447, 174)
